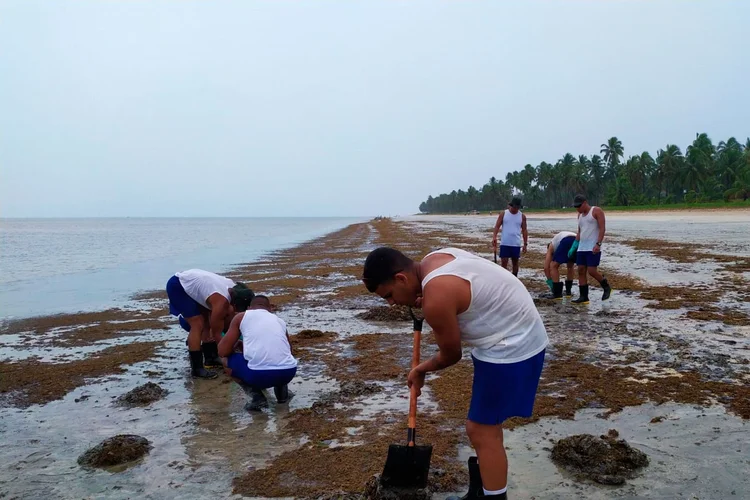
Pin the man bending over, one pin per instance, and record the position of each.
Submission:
(465, 297)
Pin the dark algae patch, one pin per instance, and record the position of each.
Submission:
(386, 313)
(142, 395)
(604, 459)
(116, 450)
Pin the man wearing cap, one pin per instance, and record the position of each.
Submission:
(203, 299)
(591, 229)
(513, 224)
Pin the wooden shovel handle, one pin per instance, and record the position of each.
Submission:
(413, 393)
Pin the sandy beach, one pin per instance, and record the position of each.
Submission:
(665, 362)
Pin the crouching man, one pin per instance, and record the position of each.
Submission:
(265, 359)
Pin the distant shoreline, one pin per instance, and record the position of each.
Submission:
(681, 208)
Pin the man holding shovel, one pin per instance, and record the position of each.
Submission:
(467, 298)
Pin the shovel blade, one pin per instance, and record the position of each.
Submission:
(406, 466)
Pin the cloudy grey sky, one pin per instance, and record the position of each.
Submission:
(290, 108)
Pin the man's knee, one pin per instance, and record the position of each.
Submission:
(481, 433)
(196, 323)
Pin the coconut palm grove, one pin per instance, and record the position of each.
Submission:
(704, 172)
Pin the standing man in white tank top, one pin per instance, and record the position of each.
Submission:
(591, 229)
(465, 297)
(513, 223)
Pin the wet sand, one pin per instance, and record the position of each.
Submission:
(672, 346)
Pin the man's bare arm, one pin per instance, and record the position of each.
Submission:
(226, 345)
(498, 223)
(441, 312)
(219, 309)
(525, 232)
(291, 348)
(599, 216)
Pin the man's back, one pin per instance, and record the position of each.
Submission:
(265, 344)
(200, 285)
(501, 321)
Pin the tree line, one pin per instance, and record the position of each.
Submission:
(704, 172)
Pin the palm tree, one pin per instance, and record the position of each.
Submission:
(565, 185)
(631, 172)
(699, 162)
(729, 160)
(646, 166)
(612, 151)
(596, 174)
(669, 165)
(741, 186)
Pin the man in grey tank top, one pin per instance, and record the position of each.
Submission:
(591, 230)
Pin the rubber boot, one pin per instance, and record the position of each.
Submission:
(557, 291)
(211, 357)
(583, 296)
(607, 289)
(568, 288)
(196, 366)
(257, 401)
(475, 483)
(282, 393)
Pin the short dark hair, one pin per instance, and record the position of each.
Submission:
(382, 264)
(578, 200)
(516, 202)
(241, 296)
(260, 300)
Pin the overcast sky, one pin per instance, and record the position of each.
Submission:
(291, 108)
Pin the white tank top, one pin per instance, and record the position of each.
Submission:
(589, 228)
(501, 322)
(264, 342)
(561, 236)
(200, 285)
(511, 229)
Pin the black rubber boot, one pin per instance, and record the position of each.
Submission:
(282, 393)
(607, 289)
(257, 401)
(583, 296)
(196, 366)
(211, 357)
(557, 291)
(568, 288)
(475, 483)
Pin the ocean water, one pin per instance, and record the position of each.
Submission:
(50, 266)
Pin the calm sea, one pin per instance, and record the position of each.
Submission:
(49, 266)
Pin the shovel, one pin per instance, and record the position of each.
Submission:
(407, 466)
(494, 253)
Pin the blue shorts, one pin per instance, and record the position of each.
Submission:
(507, 251)
(589, 259)
(561, 253)
(260, 379)
(179, 301)
(504, 390)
